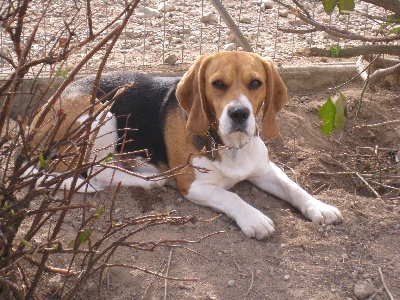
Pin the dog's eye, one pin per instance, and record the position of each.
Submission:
(219, 85)
(255, 84)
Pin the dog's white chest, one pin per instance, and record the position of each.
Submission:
(234, 166)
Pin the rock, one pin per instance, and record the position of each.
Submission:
(147, 12)
(195, 13)
(297, 22)
(326, 19)
(245, 20)
(363, 289)
(165, 7)
(284, 13)
(209, 18)
(330, 37)
(230, 39)
(171, 59)
(55, 283)
(130, 215)
(230, 47)
(231, 282)
(266, 4)
(286, 277)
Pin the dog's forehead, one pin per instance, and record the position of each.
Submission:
(236, 63)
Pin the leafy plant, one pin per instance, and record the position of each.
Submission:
(335, 50)
(333, 114)
(342, 5)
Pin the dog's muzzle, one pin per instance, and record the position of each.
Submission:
(239, 116)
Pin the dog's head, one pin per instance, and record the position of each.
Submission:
(231, 87)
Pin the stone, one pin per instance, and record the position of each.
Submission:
(363, 289)
(297, 22)
(284, 13)
(245, 20)
(209, 18)
(171, 59)
(266, 4)
(147, 12)
(130, 215)
(230, 47)
(231, 282)
(165, 7)
(55, 283)
(195, 13)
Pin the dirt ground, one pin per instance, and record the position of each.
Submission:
(302, 260)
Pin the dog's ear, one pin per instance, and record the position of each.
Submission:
(275, 99)
(190, 93)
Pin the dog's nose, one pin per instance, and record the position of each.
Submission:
(239, 115)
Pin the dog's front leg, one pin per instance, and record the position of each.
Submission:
(274, 181)
(250, 220)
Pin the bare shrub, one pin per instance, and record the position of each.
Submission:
(23, 256)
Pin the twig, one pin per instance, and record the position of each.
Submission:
(167, 274)
(393, 122)
(51, 269)
(384, 284)
(354, 173)
(385, 185)
(148, 272)
(359, 176)
(237, 265)
(251, 284)
(152, 280)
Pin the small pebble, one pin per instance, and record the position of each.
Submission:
(363, 289)
(130, 215)
(286, 277)
(231, 282)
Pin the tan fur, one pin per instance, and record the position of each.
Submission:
(190, 94)
(203, 103)
(71, 109)
(179, 148)
(275, 99)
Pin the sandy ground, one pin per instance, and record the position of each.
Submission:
(302, 260)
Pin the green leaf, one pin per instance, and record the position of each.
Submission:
(71, 244)
(393, 18)
(109, 159)
(335, 50)
(329, 6)
(84, 235)
(114, 225)
(61, 73)
(99, 212)
(347, 5)
(341, 112)
(327, 116)
(26, 243)
(394, 30)
(43, 163)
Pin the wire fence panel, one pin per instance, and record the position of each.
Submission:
(176, 32)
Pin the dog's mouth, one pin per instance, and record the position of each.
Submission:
(239, 128)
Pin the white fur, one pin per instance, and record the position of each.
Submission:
(103, 146)
(246, 160)
(250, 162)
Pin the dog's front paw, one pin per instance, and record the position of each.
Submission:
(322, 213)
(256, 225)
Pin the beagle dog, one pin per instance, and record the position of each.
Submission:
(207, 117)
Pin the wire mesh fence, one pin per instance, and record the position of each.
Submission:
(176, 32)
